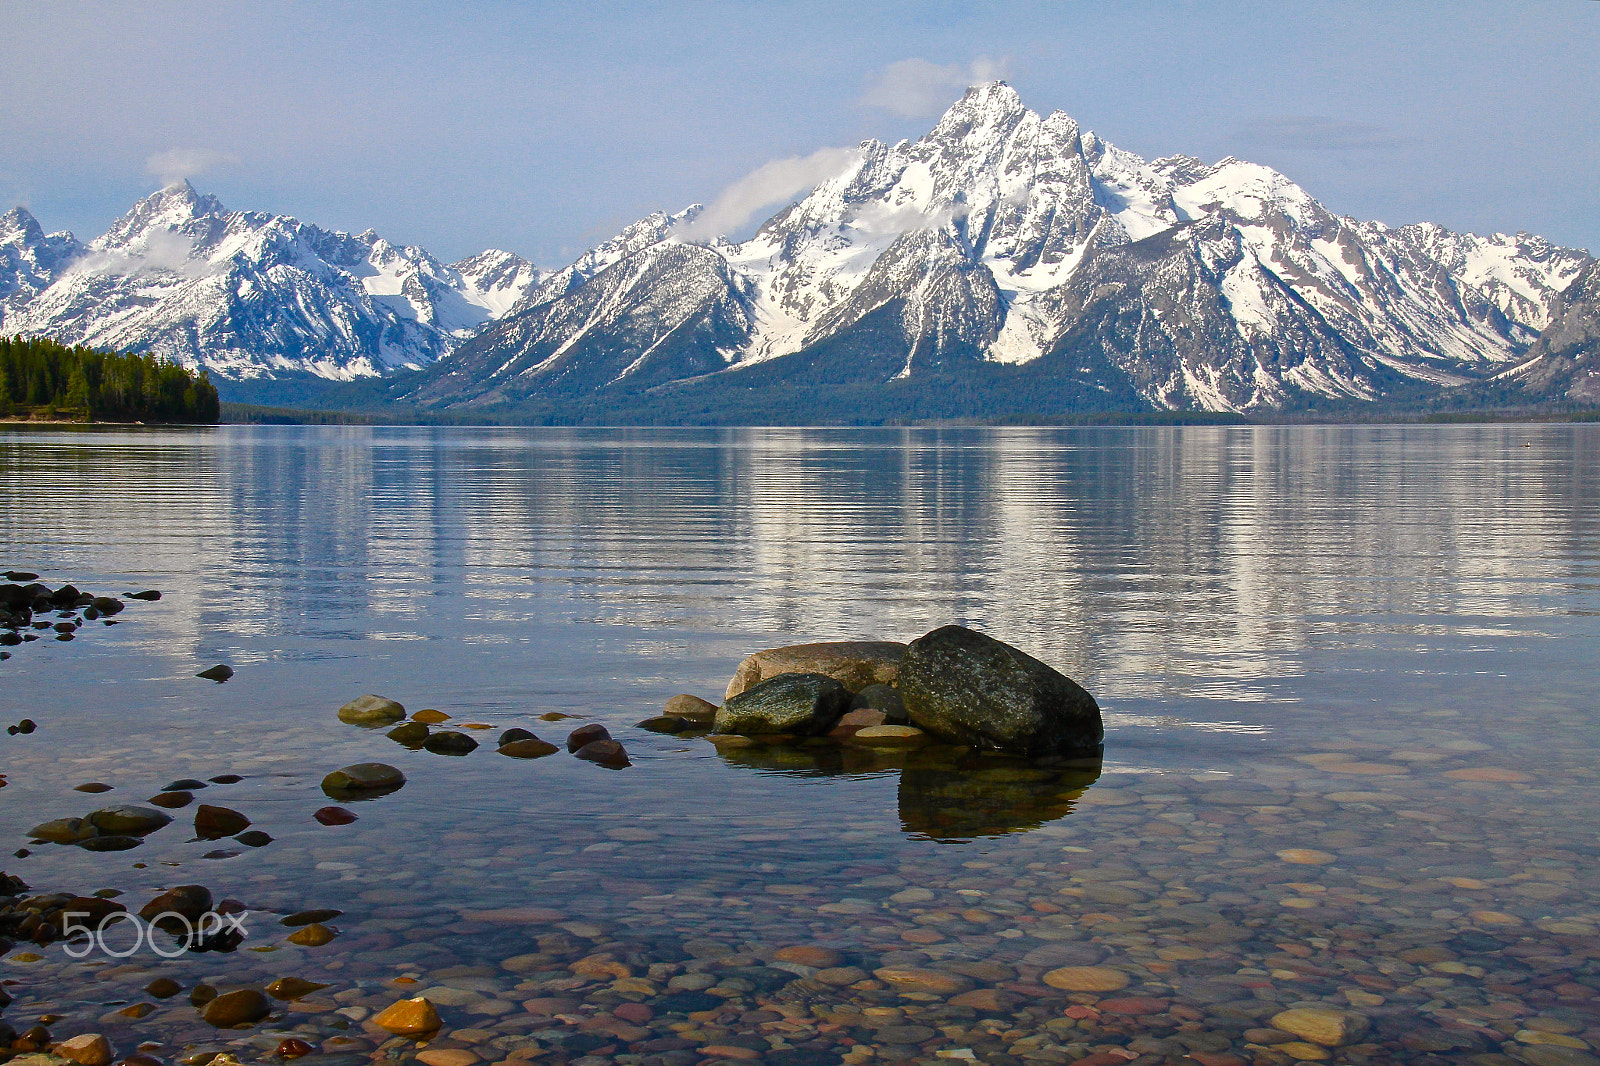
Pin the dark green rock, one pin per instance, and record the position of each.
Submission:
(885, 698)
(450, 742)
(969, 688)
(796, 704)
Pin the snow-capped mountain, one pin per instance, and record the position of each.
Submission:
(249, 295)
(1010, 239)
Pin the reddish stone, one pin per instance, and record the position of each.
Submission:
(1080, 1012)
(607, 753)
(1106, 1058)
(586, 734)
(294, 1049)
(334, 816)
(637, 1013)
(1133, 1005)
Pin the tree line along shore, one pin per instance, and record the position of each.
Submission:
(42, 380)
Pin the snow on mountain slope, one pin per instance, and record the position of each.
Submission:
(247, 295)
(1565, 362)
(982, 242)
(30, 259)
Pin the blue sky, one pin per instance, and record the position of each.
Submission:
(543, 128)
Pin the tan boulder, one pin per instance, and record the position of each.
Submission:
(1330, 1028)
(409, 1017)
(90, 1049)
(853, 663)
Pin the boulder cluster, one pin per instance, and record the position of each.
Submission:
(30, 611)
(953, 686)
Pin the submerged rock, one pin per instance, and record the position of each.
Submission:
(244, 1006)
(213, 823)
(218, 673)
(411, 734)
(795, 704)
(970, 688)
(853, 663)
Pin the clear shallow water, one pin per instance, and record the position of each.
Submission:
(1371, 643)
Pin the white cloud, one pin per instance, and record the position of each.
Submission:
(917, 88)
(773, 183)
(180, 164)
(163, 252)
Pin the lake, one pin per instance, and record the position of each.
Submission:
(1347, 810)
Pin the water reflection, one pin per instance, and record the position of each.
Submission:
(947, 794)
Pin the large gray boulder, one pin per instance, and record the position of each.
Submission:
(969, 688)
(796, 704)
(853, 663)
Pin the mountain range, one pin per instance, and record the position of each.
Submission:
(1006, 262)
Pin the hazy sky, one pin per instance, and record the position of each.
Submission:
(543, 128)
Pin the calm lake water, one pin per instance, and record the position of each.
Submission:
(1349, 678)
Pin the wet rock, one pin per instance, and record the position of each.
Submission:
(171, 800)
(794, 704)
(409, 1017)
(334, 816)
(106, 605)
(187, 901)
(363, 780)
(254, 838)
(606, 753)
(1329, 1028)
(450, 742)
(693, 708)
(201, 994)
(293, 988)
(969, 688)
(513, 734)
(163, 988)
(243, 1006)
(63, 830)
(890, 734)
(430, 716)
(854, 663)
(226, 779)
(532, 748)
(92, 787)
(371, 710)
(586, 734)
(917, 979)
(88, 1049)
(147, 594)
(293, 1048)
(218, 673)
(809, 955)
(1086, 979)
(666, 723)
(214, 823)
(411, 734)
(314, 935)
(184, 784)
(128, 820)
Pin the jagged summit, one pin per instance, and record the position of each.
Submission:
(1007, 237)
